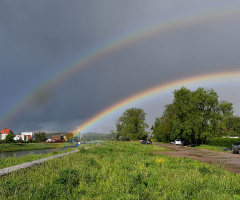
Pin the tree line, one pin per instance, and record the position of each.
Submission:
(42, 136)
(97, 136)
(193, 115)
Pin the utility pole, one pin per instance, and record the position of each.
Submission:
(79, 134)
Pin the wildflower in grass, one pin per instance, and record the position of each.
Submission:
(160, 161)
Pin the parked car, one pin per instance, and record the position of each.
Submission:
(236, 148)
(178, 142)
(185, 143)
(172, 142)
(146, 142)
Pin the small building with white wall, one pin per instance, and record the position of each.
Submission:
(27, 135)
(4, 132)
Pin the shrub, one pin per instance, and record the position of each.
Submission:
(9, 138)
(223, 142)
(68, 177)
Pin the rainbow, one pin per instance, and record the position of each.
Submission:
(116, 44)
(162, 89)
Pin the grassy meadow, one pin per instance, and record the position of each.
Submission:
(121, 170)
(31, 146)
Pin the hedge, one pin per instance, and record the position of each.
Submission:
(223, 142)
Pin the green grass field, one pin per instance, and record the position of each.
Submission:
(31, 146)
(121, 171)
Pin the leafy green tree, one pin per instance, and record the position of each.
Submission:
(40, 137)
(163, 125)
(69, 136)
(131, 125)
(20, 140)
(9, 138)
(75, 139)
(231, 121)
(236, 129)
(114, 135)
(194, 115)
(232, 124)
(199, 114)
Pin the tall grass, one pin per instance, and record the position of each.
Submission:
(121, 171)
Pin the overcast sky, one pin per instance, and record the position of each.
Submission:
(41, 41)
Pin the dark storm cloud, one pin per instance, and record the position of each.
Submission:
(40, 38)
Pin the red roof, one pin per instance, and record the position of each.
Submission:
(5, 131)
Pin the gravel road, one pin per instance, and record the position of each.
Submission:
(229, 161)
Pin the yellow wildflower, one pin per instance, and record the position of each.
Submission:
(160, 161)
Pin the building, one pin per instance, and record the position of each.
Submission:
(18, 137)
(4, 132)
(27, 135)
(58, 138)
(22, 137)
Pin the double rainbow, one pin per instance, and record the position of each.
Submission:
(121, 42)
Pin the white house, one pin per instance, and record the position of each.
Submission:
(4, 132)
(27, 135)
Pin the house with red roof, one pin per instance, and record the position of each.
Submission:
(4, 132)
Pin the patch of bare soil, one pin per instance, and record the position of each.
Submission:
(229, 161)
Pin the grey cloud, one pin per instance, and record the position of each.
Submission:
(40, 38)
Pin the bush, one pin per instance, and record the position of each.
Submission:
(223, 142)
(68, 177)
(9, 138)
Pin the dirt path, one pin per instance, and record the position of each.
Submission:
(231, 162)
